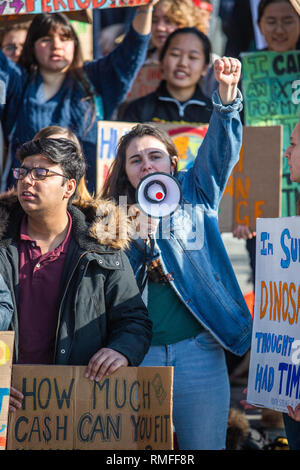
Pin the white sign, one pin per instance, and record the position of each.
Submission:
(274, 372)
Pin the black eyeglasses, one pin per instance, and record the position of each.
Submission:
(35, 173)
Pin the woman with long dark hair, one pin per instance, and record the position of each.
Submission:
(52, 86)
(182, 268)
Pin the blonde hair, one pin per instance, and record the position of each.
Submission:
(184, 13)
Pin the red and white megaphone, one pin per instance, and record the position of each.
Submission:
(158, 194)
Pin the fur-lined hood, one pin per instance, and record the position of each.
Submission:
(95, 221)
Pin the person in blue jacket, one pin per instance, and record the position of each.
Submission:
(193, 297)
(51, 85)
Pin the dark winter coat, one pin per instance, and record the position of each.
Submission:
(160, 106)
(100, 305)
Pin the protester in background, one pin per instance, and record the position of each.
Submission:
(239, 28)
(51, 85)
(292, 420)
(12, 40)
(184, 59)
(58, 259)
(169, 15)
(109, 24)
(279, 23)
(186, 278)
(6, 306)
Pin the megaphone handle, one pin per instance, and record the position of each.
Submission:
(144, 273)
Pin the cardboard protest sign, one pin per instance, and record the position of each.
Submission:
(256, 181)
(6, 356)
(250, 191)
(85, 16)
(270, 99)
(131, 409)
(17, 7)
(274, 372)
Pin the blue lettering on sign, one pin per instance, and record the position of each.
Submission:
(107, 147)
(290, 247)
(104, 427)
(270, 342)
(41, 393)
(267, 248)
(289, 379)
(264, 379)
(41, 428)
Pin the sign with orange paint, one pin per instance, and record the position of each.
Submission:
(6, 355)
(16, 7)
(274, 371)
(254, 187)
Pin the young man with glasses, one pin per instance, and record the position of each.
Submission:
(76, 299)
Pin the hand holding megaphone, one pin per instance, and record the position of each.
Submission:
(158, 194)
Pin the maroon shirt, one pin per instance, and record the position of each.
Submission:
(38, 305)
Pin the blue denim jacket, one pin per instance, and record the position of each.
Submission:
(189, 242)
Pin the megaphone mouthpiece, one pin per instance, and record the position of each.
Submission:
(158, 194)
(155, 191)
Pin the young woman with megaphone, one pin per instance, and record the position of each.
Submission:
(192, 294)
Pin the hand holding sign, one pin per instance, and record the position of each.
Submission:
(15, 399)
(104, 362)
(243, 232)
(294, 412)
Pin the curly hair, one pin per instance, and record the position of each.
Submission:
(183, 13)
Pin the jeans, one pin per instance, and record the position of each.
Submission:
(201, 391)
